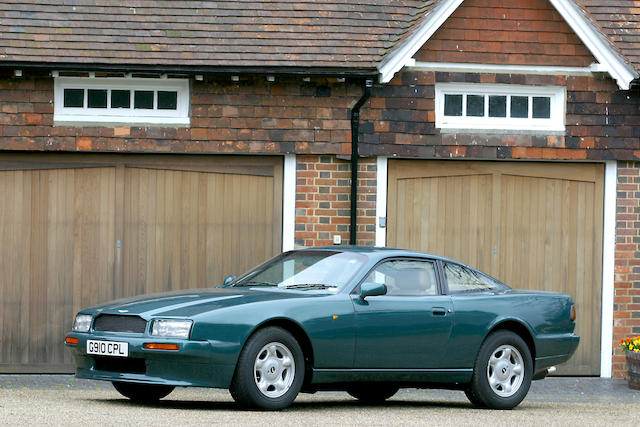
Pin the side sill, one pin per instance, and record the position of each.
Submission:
(414, 376)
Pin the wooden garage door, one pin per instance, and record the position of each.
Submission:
(531, 225)
(77, 230)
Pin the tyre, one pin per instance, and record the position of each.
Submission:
(473, 399)
(146, 393)
(372, 393)
(502, 372)
(270, 370)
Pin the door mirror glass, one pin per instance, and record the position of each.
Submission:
(227, 280)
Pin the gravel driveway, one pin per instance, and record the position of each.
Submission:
(63, 400)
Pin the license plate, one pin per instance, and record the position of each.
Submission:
(108, 348)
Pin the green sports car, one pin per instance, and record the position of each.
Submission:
(365, 320)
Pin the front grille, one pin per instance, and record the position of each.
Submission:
(124, 365)
(117, 323)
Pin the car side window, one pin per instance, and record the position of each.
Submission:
(406, 277)
(460, 279)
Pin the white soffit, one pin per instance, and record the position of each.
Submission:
(609, 59)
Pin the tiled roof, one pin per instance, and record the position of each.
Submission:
(351, 34)
(619, 20)
(342, 34)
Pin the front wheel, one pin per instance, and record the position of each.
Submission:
(144, 393)
(372, 393)
(270, 370)
(502, 372)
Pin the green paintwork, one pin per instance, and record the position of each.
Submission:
(369, 289)
(425, 340)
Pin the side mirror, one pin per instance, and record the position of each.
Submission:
(370, 289)
(228, 280)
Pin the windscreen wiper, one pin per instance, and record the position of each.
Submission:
(255, 283)
(310, 286)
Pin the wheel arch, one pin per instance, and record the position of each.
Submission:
(518, 328)
(299, 334)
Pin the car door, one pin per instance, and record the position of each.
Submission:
(409, 326)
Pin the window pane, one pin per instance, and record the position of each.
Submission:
(475, 105)
(74, 98)
(459, 279)
(167, 100)
(453, 105)
(520, 107)
(406, 277)
(497, 106)
(143, 99)
(97, 98)
(541, 107)
(120, 99)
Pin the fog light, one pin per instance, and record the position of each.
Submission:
(160, 346)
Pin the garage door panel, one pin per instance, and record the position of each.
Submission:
(531, 225)
(14, 265)
(78, 230)
(439, 220)
(547, 242)
(190, 229)
(41, 229)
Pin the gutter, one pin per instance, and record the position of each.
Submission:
(338, 72)
(355, 133)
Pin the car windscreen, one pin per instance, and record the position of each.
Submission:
(306, 270)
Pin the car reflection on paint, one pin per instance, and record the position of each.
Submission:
(365, 320)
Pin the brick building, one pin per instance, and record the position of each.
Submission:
(147, 148)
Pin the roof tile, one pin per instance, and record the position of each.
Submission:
(334, 33)
(349, 34)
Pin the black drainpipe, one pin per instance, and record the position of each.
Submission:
(355, 131)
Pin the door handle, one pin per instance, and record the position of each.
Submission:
(439, 311)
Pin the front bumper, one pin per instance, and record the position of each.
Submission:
(196, 363)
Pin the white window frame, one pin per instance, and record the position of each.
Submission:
(557, 105)
(71, 115)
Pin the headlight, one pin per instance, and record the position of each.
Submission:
(171, 328)
(82, 323)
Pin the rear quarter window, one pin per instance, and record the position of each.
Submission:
(464, 280)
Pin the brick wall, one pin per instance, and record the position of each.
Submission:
(601, 121)
(525, 32)
(323, 194)
(627, 264)
(290, 115)
(248, 116)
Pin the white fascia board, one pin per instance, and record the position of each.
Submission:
(597, 44)
(504, 69)
(609, 59)
(399, 58)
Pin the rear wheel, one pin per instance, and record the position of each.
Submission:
(502, 372)
(371, 392)
(146, 393)
(270, 370)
